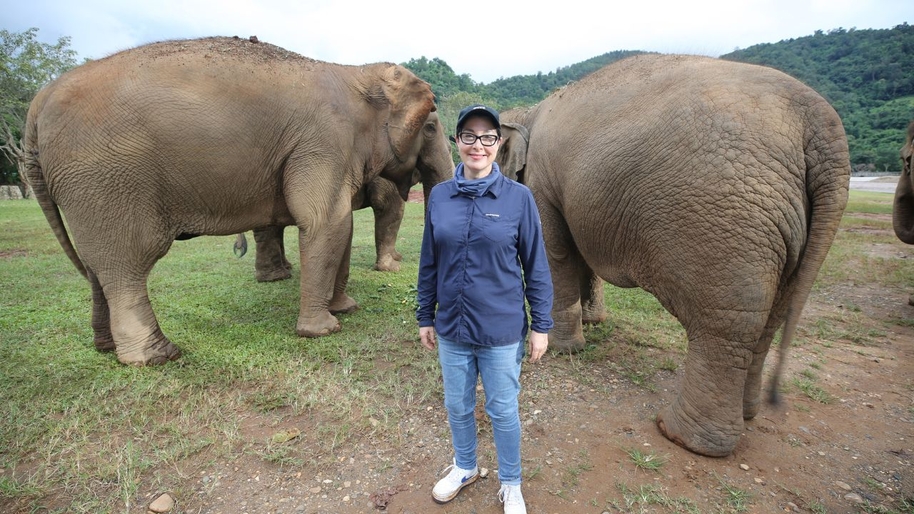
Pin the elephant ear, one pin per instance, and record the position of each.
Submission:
(410, 100)
(512, 154)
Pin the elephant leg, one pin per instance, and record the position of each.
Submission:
(568, 274)
(342, 303)
(123, 300)
(707, 415)
(752, 393)
(101, 317)
(270, 263)
(388, 208)
(593, 301)
(321, 248)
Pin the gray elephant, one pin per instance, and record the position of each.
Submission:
(716, 186)
(217, 136)
(903, 205)
(388, 206)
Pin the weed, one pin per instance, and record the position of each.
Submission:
(811, 390)
(646, 461)
(736, 498)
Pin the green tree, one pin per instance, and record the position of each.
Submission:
(26, 65)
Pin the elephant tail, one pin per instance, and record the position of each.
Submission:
(241, 245)
(36, 179)
(828, 172)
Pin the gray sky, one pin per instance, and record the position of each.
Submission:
(486, 39)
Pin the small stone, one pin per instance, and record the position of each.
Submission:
(744, 467)
(163, 503)
(854, 497)
(842, 485)
(793, 507)
(483, 472)
(315, 490)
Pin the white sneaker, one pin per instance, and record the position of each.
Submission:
(448, 487)
(511, 496)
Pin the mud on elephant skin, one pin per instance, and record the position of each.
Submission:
(716, 186)
(217, 136)
(388, 206)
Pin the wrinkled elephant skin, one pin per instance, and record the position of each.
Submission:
(218, 136)
(716, 186)
(380, 194)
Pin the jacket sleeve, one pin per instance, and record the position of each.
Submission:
(537, 277)
(427, 285)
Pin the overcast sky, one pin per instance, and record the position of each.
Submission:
(486, 39)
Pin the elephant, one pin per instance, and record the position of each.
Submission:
(217, 136)
(380, 194)
(715, 186)
(903, 204)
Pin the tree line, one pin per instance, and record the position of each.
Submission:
(867, 75)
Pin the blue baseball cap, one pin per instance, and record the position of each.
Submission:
(475, 110)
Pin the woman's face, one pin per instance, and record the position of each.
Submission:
(477, 159)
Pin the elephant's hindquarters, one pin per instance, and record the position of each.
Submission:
(720, 196)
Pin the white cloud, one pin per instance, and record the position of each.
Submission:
(506, 38)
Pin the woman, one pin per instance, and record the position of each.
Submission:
(482, 257)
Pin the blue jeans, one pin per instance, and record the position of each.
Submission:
(499, 367)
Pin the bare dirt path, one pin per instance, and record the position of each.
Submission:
(843, 442)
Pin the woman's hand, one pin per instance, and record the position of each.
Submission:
(427, 337)
(538, 344)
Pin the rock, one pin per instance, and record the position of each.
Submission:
(744, 467)
(842, 485)
(854, 497)
(163, 503)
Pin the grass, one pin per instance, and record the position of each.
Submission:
(82, 433)
(646, 461)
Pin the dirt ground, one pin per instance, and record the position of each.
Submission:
(582, 420)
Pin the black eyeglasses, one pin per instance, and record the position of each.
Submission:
(469, 138)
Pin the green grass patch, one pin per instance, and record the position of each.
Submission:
(81, 431)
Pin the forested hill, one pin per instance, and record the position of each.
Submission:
(867, 75)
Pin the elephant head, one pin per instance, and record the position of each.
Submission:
(903, 206)
(415, 134)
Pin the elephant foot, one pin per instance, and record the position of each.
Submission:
(593, 317)
(105, 343)
(566, 345)
(751, 409)
(387, 264)
(157, 353)
(322, 325)
(273, 275)
(703, 439)
(343, 304)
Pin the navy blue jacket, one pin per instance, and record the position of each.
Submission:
(482, 257)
